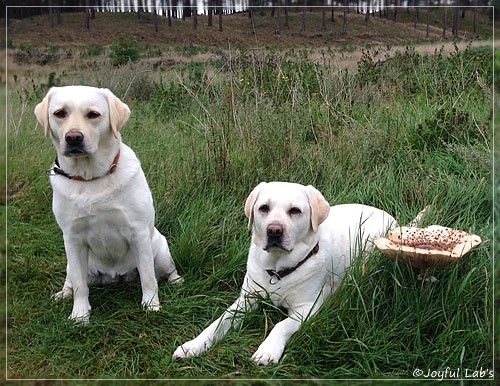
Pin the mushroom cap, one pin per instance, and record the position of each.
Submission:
(432, 247)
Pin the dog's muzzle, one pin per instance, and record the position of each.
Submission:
(274, 233)
(75, 145)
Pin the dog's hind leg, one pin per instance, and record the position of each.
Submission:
(67, 290)
(164, 264)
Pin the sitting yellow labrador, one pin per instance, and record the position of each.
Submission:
(101, 199)
(299, 252)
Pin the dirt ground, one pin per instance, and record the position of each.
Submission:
(382, 35)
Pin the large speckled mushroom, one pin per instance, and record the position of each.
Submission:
(432, 247)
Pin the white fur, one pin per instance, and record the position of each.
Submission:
(342, 231)
(107, 223)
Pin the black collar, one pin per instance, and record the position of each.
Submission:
(56, 169)
(278, 275)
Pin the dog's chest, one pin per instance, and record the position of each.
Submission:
(103, 225)
(288, 292)
(106, 233)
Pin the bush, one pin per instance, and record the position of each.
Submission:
(30, 54)
(124, 50)
(91, 51)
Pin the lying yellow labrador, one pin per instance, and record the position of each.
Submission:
(298, 255)
(101, 199)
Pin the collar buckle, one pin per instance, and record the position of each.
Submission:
(276, 276)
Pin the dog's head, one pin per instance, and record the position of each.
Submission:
(79, 118)
(283, 214)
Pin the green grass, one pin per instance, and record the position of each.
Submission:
(401, 134)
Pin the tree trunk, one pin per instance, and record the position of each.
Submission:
(219, 11)
(474, 20)
(51, 14)
(286, 13)
(194, 15)
(155, 17)
(344, 25)
(169, 13)
(87, 14)
(210, 13)
(277, 27)
(304, 11)
(444, 22)
(455, 22)
(428, 18)
(186, 10)
(250, 15)
(58, 15)
(323, 17)
(173, 9)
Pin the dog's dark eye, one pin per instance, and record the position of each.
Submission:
(264, 208)
(60, 114)
(295, 210)
(93, 115)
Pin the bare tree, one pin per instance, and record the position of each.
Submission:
(444, 21)
(219, 12)
(344, 23)
(51, 14)
(474, 19)
(186, 9)
(87, 14)
(155, 15)
(304, 12)
(252, 21)
(286, 12)
(194, 15)
(58, 12)
(169, 13)
(277, 26)
(454, 27)
(174, 8)
(428, 19)
(210, 13)
(323, 16)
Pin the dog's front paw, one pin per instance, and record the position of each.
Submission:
(61, 295)
(268, 353)
(80, 314)
(150, 303)
(150, 306)
(192, 348)
(66, 292)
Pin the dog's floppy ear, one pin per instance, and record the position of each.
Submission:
(118, 111)
(250, 202)
(42, 111)
(320, 208)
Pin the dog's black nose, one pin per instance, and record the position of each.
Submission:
(274, 230)
(74, 138)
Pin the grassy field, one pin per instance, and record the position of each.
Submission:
(399, 134)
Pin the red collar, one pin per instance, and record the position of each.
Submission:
(57, 170)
